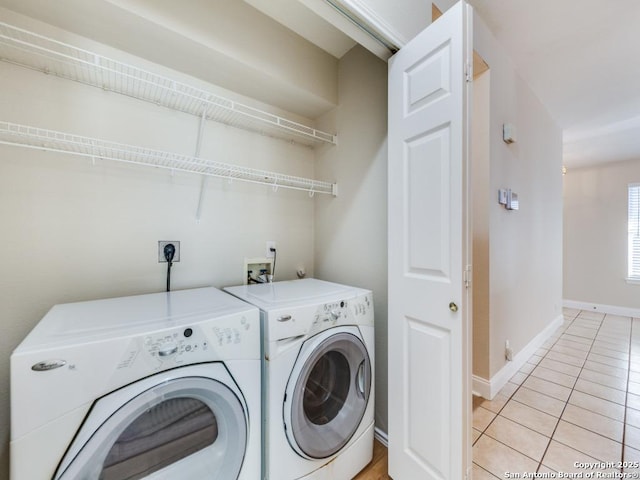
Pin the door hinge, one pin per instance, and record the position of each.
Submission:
(467, 276)
(468, 71)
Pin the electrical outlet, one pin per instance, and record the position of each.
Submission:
(162, 244)
(508, 352)
(270, 244)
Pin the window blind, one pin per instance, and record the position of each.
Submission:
(634, 231)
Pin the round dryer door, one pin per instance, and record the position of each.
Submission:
(328, 392)
(189, 427)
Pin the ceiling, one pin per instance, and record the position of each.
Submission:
(580, 57)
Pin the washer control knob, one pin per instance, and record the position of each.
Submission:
(335, 315)
(167, 349)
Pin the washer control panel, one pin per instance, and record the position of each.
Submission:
(331, 313)
(286, 323)
(358, 310)
(362, 306)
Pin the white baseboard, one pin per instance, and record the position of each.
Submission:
(489, 388)
(597, 307)
(481, 387)
(381, 436)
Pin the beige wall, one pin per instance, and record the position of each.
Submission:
(351, 230)
(595, 238)
(481, 206)
(525, 246)
(75, 231)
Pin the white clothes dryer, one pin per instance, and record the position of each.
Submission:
(318, 371)
(154, 386)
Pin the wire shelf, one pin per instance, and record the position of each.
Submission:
(49, 140)
(41, 53)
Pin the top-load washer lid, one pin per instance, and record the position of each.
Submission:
(94, 320)
(293, 293)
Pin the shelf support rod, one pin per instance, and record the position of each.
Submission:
(204, 179)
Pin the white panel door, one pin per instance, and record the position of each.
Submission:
(429, 306)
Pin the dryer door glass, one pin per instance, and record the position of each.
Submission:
(331, 395)
(163, 434)
(188, 427)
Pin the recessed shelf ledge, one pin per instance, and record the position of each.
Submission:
(49, 140)
(38, 52)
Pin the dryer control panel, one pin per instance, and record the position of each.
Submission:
(219, 340)
(172, 346)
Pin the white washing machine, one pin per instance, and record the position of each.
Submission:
(318, 370)
(152, 386)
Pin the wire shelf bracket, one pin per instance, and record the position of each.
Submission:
(49, 140)
(28, 49)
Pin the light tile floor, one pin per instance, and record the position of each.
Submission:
(573, 408)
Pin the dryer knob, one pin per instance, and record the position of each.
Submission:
(168, 350)
(335, 315)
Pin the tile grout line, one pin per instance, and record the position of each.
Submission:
(626, 395)
(510, 398)
(582, 368)
(518, 386)
(626, 392)
(572, 388)
(592, 343)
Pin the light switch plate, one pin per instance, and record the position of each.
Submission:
(502, 196)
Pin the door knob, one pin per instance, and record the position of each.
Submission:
(453, 307)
